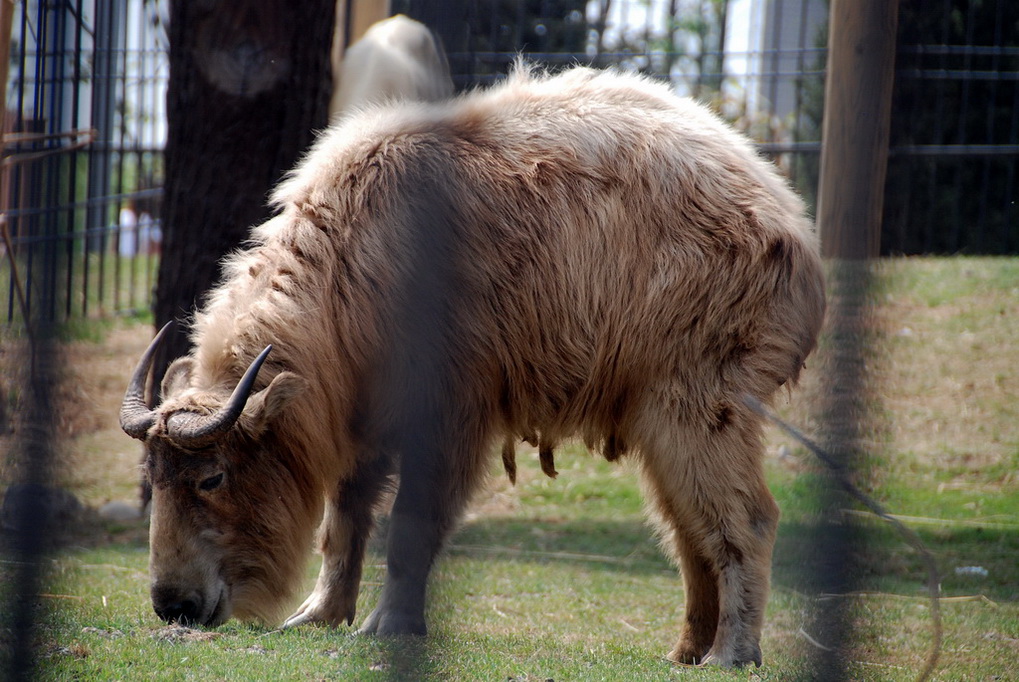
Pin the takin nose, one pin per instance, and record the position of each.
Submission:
(173, 606)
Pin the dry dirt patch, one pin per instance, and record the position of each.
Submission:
(95, 458)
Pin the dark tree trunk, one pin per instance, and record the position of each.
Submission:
(249, 87)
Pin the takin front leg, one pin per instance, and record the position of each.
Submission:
(707, 487)
(343, 537)
(434, 489)
(700, 585)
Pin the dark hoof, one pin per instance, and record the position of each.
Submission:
(389, 623)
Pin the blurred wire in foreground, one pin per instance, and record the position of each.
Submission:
(838, 473)
(30, 503)
(412, 393)
(854, 159)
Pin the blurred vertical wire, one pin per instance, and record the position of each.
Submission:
(838, 545)
(855, 137)
(25, 509)
(413, 384)
(30, 503)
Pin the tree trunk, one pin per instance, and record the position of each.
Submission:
(249, 86)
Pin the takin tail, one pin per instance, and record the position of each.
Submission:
(797, 307)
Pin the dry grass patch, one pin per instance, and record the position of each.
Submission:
(950, 383)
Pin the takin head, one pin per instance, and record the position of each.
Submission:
(232, 511)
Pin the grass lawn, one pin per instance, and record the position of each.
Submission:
(561, 579)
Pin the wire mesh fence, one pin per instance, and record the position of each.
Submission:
(85, 123)
(952, 183)
(952, 175)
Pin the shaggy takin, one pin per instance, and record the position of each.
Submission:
(599, 259)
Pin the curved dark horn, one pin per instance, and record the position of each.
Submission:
(192, 430)
(135, 416)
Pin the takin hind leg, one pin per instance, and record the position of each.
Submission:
(707, 489)
(343, 537)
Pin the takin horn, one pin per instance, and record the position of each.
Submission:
(193, 430)
(135, 416)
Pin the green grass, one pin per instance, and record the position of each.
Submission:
(95, 286)
(585, 595)
(562, 579)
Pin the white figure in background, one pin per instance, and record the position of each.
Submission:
(150, 236)
(397, 58)
(127, 241)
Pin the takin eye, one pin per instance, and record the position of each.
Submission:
(211, 483)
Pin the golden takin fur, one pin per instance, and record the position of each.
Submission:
(619, 266)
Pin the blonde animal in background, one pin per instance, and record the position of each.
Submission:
(396, 59)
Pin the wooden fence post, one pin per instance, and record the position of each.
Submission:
(857, 110)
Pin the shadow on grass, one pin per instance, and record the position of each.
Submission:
(405, 658)
(629, 546)
(624, 545)
(890, 565)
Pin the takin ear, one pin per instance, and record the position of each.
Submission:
(266, 405)
(177, 377)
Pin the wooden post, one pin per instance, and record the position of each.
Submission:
(6, 21)
(857, 109)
